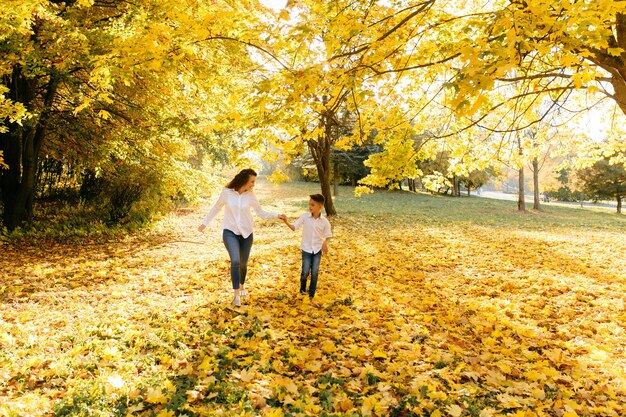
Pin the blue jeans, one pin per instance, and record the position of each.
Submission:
(239, 251)
(310, 265)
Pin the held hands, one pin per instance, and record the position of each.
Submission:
(286, 221)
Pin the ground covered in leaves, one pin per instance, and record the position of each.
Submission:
(426, 306)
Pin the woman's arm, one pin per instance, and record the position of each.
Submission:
(259, 211)
(214, 210)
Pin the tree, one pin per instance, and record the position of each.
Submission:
(482, 47)
(477, 179)
(557, 45)
(112, 81)
(604, 179)
(325, 63)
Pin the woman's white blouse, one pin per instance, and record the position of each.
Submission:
(237, 215)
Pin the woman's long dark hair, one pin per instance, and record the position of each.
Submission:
(241, 179)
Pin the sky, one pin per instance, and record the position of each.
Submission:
(274, 4)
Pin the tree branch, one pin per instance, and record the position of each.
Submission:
(545, 75)
(421, 7)
(260, 48)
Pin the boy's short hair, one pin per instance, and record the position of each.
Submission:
(318, 197)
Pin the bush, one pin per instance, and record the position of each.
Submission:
(117, 194)
(566, 194)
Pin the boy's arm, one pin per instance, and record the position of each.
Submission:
(327, 235)
(325, 246)
(291, 226)
(296, 225)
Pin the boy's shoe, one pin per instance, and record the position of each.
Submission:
(243, 294)
(237, 302)
(303, 292)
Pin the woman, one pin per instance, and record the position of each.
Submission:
(238, 198)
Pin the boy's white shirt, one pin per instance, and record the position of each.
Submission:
(314, 232)
(237, 215)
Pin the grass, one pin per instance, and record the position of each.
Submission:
(436, 209)
(425, 305)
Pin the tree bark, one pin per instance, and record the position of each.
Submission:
(456, 187)
(619, 204)
(21, 146)
(323, 169)
(335, 179)
(320, 150)
(521, 203)
(536, 183)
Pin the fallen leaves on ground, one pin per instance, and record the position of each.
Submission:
(411, 318)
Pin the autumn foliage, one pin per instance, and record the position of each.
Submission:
(426, 306)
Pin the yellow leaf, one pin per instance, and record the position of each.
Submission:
(111, 353)
(135, 408)
(379, 354)
(207, 364)
(454, 410)
(435, 413)
(313, 366)
(274, 412)
(615, 51)
(343, 404)
(103, 114)
(534, 375)
(329, 347)
(278, 176)
(509, 401)
(488, 412)
(245, 376)
(156, 396)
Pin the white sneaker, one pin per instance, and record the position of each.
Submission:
(237, 302)
(243, 293)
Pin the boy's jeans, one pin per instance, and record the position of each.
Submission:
(239, 251)
(310, 264)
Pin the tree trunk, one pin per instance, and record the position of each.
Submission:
(521, 203)
(536, 183)
(324, 175)
(335, 179)
(619, 204)
(456, 188)
(469, 191)
(320, 150)
(21, 145)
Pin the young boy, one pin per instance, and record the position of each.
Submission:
(315, 236)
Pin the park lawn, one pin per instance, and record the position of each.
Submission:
(426, 306)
